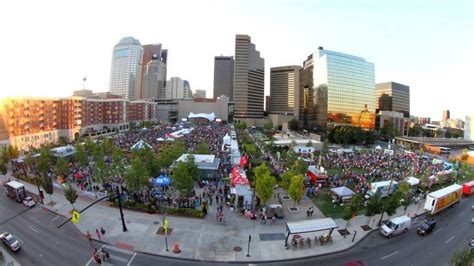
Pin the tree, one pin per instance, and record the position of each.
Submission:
(118, 162)
(100, 169)
(462, 258)
(388, 131)
(61, 168)
(293, 124)
(137, 175)
(268, 126)
(464, 155)
(89, 145)
(347, 215)
(309, 144)
(193, 170)
(415, 131)
(240, 125)
(300, 167)
(286, 179)
(325, 149)
(203, 148)
(374, 207)
(48, 187)
(296, 188)
(181, 179)
(107, 147)
(29, 162)
(71, 195)
(44, 161)
(264, 182)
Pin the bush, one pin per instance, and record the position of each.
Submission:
(151, 208)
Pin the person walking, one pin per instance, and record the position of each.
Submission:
(89, 236)
(102, 230)
(98, 234)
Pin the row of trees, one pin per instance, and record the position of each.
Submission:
(351, 135)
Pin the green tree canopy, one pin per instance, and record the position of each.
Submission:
(286, 179)
(293, 124)
(137, 176)
(44, 161)
(182, 179)
(268, 125)
(374, 206)
(296, 188)
(265, 183)
(71, 195)
(61, 168)
(203, 148)
(80, 156)
(300, 167)
(118, 162)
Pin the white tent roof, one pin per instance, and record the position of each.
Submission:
(413, 181)
(140, 145)
(210, 117)
(342, 191)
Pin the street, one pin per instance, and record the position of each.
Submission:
(44, 244)
(41, 242)
(453, 231)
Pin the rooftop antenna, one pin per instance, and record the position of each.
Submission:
(84, 79)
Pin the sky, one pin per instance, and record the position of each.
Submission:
(47, 47)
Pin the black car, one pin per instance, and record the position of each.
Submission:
(426, 228)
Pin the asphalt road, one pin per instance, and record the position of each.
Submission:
(44, 244)
(41, 242)
(453, 231)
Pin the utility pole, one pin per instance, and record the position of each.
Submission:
(124, 227)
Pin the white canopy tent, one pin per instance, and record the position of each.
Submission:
(413, 181)
(211, 117)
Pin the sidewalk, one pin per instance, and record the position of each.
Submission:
(206, 239)
(7, 259)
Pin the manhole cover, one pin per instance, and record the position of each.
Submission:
(237, 249)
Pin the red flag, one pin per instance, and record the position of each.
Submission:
(243, 161)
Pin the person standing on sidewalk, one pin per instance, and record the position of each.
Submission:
(98, 234)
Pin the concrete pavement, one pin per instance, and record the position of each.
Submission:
(206, 239)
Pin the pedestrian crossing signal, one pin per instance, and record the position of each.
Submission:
(75, 217)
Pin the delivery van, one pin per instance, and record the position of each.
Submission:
(396, 226)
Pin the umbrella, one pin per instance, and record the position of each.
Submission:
(161, 181)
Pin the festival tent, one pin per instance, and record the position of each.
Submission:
(238, 177)
(160, 139)
(413, 181)
(162, 180)
(140, 145)
(315, 175)
(378, 147)
(342, 193)
(211, 117)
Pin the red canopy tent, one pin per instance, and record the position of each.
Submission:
(238, 178)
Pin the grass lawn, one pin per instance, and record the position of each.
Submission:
(325, 205)
(334, 171)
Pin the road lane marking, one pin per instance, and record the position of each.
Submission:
(55, 218)
(451, 238)
(389, 255)
(133, 257)
(33, 229)
(437, 231)
(90, 260)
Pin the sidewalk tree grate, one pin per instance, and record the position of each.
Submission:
(237, 248)
(366, 227)
(344, 232)
(161, 231)
(156, 222)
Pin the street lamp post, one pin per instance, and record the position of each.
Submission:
(124, 227)
(248, 246)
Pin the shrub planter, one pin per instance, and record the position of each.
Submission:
(293, 209)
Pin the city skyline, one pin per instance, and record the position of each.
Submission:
(407, 42)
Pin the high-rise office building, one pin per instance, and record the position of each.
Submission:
(284, 90)
(392, 96)
(224, 76)
(344, 90)
(249, 74)
(200, 94)
(125, 74)
(469, 128)
(176, 88)
(446, 115)
(153, 68)
(306, 102)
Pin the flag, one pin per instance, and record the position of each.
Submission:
(243, 161)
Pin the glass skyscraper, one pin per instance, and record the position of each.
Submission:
(125, 75)
(344, 90)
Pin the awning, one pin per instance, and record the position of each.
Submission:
(162, 180)
(309, 226)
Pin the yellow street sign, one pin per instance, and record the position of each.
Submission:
(75, 217)
(165, 225)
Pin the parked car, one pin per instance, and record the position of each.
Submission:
(356, 263)
(29, 202)
(11, 241)
(396, 226)
(426, 228)
(471, 245)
